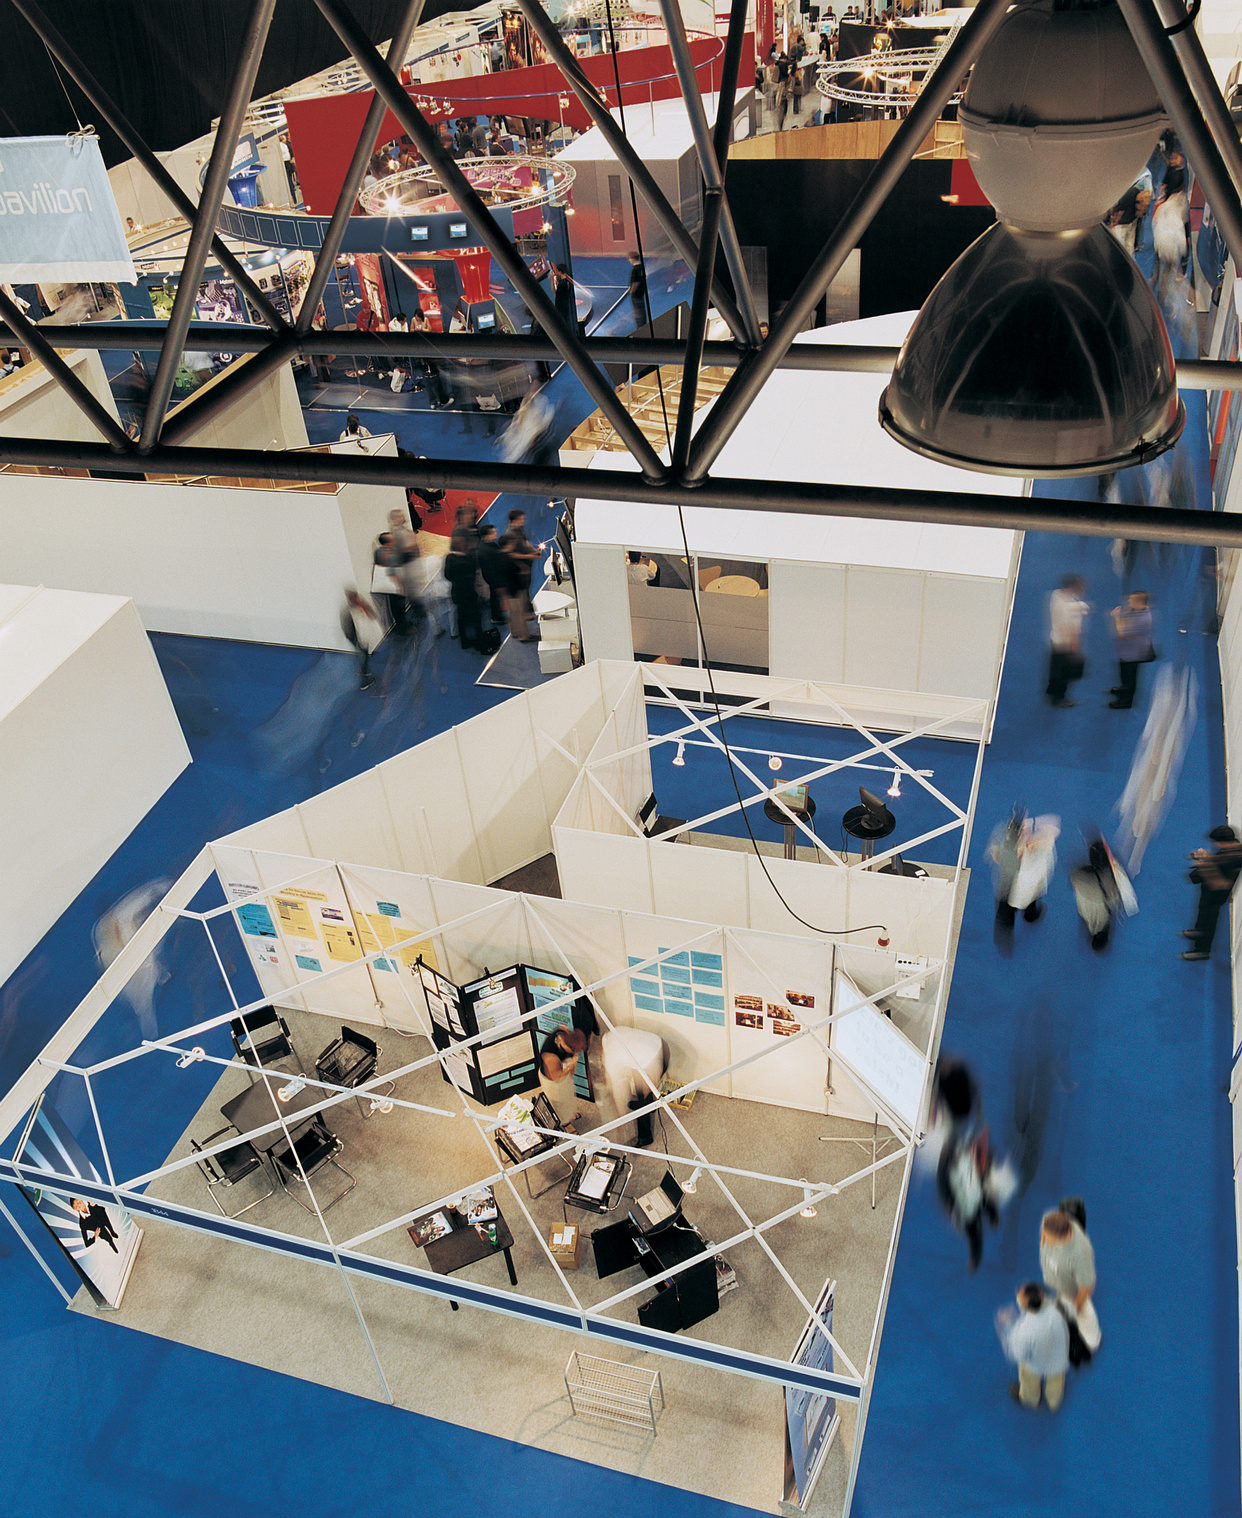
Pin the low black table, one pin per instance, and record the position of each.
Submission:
(464, 1247)
(255, 1106)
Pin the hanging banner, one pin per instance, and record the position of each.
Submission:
(100, 1239)
(811, 1418)
(58, 216)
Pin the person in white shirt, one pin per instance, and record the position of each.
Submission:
(1037, 1340)
(639, 571)
(354, 431)
(1066, 613)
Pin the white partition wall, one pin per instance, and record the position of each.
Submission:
(215, 558)
(89, 741)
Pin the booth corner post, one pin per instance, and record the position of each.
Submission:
(641, 177)
(501, 247)
(739, 394)
(715, 155)
(326, 258)
(31, 337)
(125, 130)
(202, 232)
(1157, 524)
(710, 164)
(1188, 117)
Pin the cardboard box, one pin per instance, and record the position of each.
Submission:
(565, 1242)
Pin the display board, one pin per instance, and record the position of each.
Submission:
(502, 1014)
(870, 1047)
(811, 1418)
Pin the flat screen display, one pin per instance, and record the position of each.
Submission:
(418, 234)
(457, 228)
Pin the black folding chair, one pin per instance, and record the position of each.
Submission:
(228, 1167)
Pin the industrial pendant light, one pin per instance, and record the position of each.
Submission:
(1042, 351)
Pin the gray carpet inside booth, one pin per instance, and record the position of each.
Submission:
(501, 1375)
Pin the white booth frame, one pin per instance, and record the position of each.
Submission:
(484, 902)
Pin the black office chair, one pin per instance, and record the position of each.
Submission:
(228, 1167)
(352, 1060)
(261, 1037)
(315, 1148)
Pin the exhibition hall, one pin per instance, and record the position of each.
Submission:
(621, 724)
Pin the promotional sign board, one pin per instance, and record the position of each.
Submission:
(100, 1240)
(811, 1418)
(58, 217)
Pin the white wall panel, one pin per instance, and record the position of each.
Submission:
(602, 868)
(806, 620)
(428, 804)
(715, 880)
(398, 989)
(916, 912)
(603, 601)
(791, 1070)
(883, 625)
(492, 941)
(351, 821)
(496, 756)
(816, 892)
(89, 741)
(568, 712)
(963, 625)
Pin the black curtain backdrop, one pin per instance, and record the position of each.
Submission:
(167, 63)
(792, 206)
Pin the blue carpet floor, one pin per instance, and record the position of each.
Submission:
(1103, 1076)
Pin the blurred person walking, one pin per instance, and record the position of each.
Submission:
(973, 1185)
(1132, 628)
(387, 582)
(1216, 874)
(361, 628)
(1158, 755)
(1102, 891)
(1024, 855)
(1036, 1339)
(1067, 1261)
(1066, 613)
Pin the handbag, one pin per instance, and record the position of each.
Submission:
(384, 582)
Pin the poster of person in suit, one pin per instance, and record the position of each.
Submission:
(100, 1238)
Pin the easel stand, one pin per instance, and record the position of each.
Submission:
(879, 1147)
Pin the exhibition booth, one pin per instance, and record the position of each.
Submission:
(715, 1194)
(875, 605)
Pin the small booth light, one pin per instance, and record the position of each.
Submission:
(288, 1092)
(895, 788)
(381, 1104)
(692, 1185)
(191, 1058)
(679, 758)
(808, 1209)
(774, 761)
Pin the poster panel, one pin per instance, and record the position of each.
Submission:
(810, 1416)
(101, 1240)
(60, 219)
(393, 911)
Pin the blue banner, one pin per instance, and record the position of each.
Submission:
(58, 216)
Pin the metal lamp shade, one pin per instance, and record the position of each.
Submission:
(1041, 355)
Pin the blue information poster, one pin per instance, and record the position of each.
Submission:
(810, 1417)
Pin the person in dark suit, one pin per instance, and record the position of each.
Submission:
(93, 1223)
(1215, 874)
(567, 300)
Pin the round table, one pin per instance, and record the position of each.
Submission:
(862, 824)
(549, 603)
(774, 814)
(734, 585)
